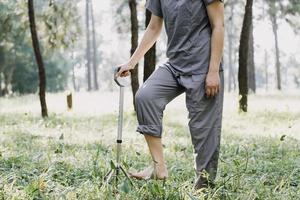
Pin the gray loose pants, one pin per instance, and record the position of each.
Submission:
(205, 114)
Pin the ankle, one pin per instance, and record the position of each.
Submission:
(159, 163)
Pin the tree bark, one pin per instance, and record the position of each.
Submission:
(95, 63)
(134, 44)
(88, 46)
(150, 56)
(39, 59)
(251, 64)
(243, 57)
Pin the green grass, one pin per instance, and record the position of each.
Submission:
(65, 157)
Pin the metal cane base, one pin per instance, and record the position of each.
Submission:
(114, 173)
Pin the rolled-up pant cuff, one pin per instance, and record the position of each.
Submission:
(152, 130)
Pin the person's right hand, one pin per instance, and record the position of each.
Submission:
(124, 70)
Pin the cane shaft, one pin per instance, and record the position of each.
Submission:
(120, 124)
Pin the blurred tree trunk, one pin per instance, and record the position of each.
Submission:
(95, 64)
(296, 80)
(274, 12)
(7, 79)
(266, 70)
(73, 71)
(1, 93)
(88, 46)
(277, 57)
(74, 78)
(230, 48)
(285, 73)
(134, 44)
(9, 71)
(234, 76)
(251, 64)
(0, 83)
(39, 59)
(150, 56)
(243, 56)
(1, 66)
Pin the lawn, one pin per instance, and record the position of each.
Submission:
(67, 155)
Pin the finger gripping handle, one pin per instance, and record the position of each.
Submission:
(117, 69)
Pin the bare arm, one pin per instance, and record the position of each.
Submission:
(215, 12)
(149, 38)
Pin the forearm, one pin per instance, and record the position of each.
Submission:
(217, 45)
(149, 38)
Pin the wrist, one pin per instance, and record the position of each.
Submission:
(214, 67)
(213, 71)
(131, 64)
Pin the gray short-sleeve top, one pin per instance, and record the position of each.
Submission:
(189, 33)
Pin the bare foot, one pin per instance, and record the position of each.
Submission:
(155, 171)
(143, 174)
(161, 171)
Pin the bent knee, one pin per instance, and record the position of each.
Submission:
(142, 96)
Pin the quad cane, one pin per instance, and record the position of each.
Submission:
(116, 168)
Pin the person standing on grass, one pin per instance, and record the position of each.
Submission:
(195, 31)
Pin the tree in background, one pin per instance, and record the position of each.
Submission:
(91, 48)
(8, 70)
(266, 63)
(1, 66)
(243, 56)
(95, 61)
(233, 26)
(57, 25)
(230, 38)
(251, 63)
(150, 56)
(39, 59)
(9, 44)
(230, 49)
(88, 45)
(134, 44)
(289, 11)
(273, 12)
